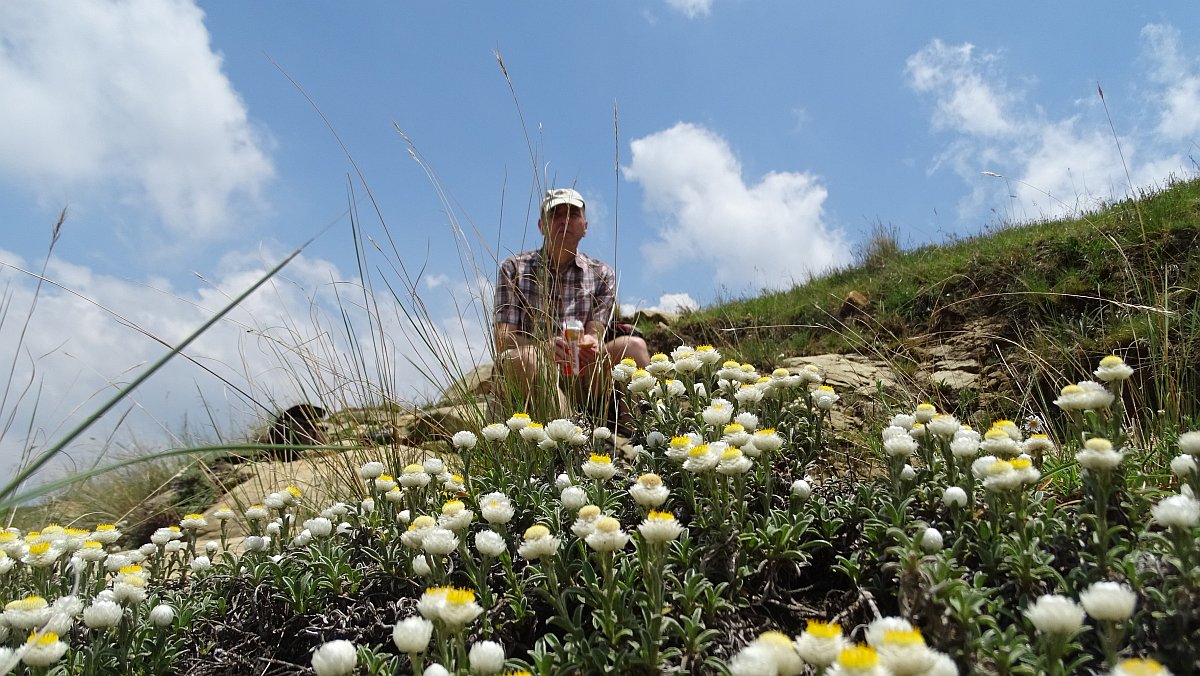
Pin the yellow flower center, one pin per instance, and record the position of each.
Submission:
(522, 416)
(600, 459)
(650, 480)
(589, 512)
(193, 516)
(1098, 444)
(680, 442)
(132, 569)
(39, 548)
(27, 603)
(731, 454)
(825, 630)
(536, 532)
(858, 657)
(459, 596)
(661, 516)
(1111, 361)
(1140, 666)
(48, 638)
(1021, 463)
(608, 525)
(659, 357)
(999, 467)
(698, 451)
(413, 469)
(903, 637)
(293, 490)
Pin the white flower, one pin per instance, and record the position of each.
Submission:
(414, 476)
(767, 440)
(43, 649)
(431, 602)
(659, 365)
(1108, 601)
(649, 491)
(490, 543)
(924, 412)
(1113, 368)
(455, 516)
(533, 432)
(335, 658)
(824, 397)
(753, 660)
(256, 543)
(420, 566)
(573, 497)
(608, 535)
(783, 652)
(200, 564)
(1087, 395)
(459, 609)
(907, 473)
(1098, 455)
(486, 657)
(366, 506)
(801, 489)
(954, 496)
(495, 432)
(439, 541)
(1177, 511)
(435, 669)
(412, 634)
(274, 501)
(931, 540)
(562, 481)
(943, 425)
(538, 543)
(903, 653)
(433, 466)
(518, 421)
(162, 615)
(876, 629)
(718, 413)
(903, 420)
(1183, 466)
(585, 524)
(747, 420)
(704, 457)
(820, 643)
(273, 529)
(998, 442)
(30, 612)
(319, 527)
(1055, 614)
(496, 508)
(464, 440)
(1037, 443)
(599, 468)
(372, 469)
(1189, 442)
(560, 430)
(383, 483)
(899, 445)
(660, 527)
(102, 614)
(748, 394)
(193, 521)
(733, 463)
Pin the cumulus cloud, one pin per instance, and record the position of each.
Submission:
(289, 342)
(767, 235)
(1179, 118)
(691, 8)
(126, 100)
(1051, 166)
(668, 302)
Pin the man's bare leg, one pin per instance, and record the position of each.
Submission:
(533, 374)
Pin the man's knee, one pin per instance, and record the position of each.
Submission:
(632, 347)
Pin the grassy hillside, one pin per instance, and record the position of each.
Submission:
(1121, 280)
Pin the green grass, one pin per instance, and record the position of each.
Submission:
(1123, 279)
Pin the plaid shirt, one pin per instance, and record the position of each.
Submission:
(537, 298)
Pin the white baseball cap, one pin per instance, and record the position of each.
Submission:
(559, 196)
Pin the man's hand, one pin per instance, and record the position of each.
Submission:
(589, 351)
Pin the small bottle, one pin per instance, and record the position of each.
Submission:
(572, 333)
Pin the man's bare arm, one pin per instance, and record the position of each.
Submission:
(509, 336)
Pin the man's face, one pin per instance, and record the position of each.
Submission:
(563, 227)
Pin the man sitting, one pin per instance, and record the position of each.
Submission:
(539, 292)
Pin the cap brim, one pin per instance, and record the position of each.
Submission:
(555, 201)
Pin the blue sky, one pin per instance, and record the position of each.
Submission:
(756, 143)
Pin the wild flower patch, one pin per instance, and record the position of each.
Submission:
(703, 548)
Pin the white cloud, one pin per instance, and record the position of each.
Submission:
(1180, 116)
(765, 236)
(668, 302)
(125, 101)
(286, 343)
(1049, 166)
(966, 102)
(691, 8)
